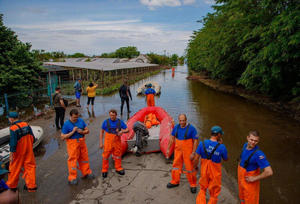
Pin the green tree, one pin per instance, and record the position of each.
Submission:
(127, 52)
(76, 55)
(19, 69)
(174, 60)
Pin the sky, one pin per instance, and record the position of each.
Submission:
(94, 27)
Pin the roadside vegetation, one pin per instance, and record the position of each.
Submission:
(251, 43)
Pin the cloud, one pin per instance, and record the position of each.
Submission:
(209, 2)
(153, 4)
(92, 37)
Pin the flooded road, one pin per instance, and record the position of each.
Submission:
(206, 107)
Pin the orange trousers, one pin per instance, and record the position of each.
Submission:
(77, 152)
(183, 150)
(248, 192)
(150, 100)
(211, 175)
(112, 145)
(23, 157)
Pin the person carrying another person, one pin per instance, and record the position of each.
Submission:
(78, 92)
(7, 195)
(59, 107)
(186, 142)
(74, 131)
(21, 153)
(114, 128)
(91, 94)
(149, 93)
(251, 160)
(211, 151)
(124, 92)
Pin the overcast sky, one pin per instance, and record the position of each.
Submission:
(93, 27)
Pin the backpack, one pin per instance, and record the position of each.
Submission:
(64, 100)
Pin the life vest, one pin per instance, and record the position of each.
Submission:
(114, 130)
(155, 120)
(148, 120)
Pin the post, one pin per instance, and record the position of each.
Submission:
(73, 71)
(6, 103)
(87, 74)
(102, 78)
(50, 87)
(59, 81)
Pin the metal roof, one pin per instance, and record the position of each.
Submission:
(107, 64)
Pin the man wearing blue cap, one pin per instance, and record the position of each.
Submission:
(21, 153)
(149, 93)
(78, 92)
(211, 152)
(6, 195)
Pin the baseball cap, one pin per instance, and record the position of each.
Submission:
(217, 129)
(150, 85)
(79, 79)
(12, 115)
(2, 168)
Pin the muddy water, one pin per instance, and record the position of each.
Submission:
(205, 108)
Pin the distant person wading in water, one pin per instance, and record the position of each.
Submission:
(124, 92)
(150, 95)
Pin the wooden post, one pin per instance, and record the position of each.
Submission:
(102, 78)
(73, 71)
(87, 74)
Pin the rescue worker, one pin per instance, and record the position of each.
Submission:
(186, 141)
(252, 159)
(74, 131)
(149, 93)
(114, 128)
(124, 92)
(211, 151)
(21, 153)
(7, 195)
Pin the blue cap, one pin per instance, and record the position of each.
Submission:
(79, 79)
(2, 168)
(217, 129)
(150, 85)
(12, 115)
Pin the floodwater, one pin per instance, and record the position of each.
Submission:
(206, 107)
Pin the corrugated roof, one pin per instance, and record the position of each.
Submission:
(107, 64)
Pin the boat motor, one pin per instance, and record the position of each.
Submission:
(142, 135)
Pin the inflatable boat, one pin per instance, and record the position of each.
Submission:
(141, 139)
(142, 88)
(5, 135)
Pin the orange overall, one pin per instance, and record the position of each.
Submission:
(211, 175)
(183, 150)
(23, 157)
(150, 100)
(248, 192)
(112, 145)
(77, 152)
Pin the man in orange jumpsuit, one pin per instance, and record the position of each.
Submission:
(252, 159)
(186, 141)
(21, 153)
(114, 128)
(150, 95)
(74, 131)
(211, 152)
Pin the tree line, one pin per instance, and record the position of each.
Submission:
(255, 43)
